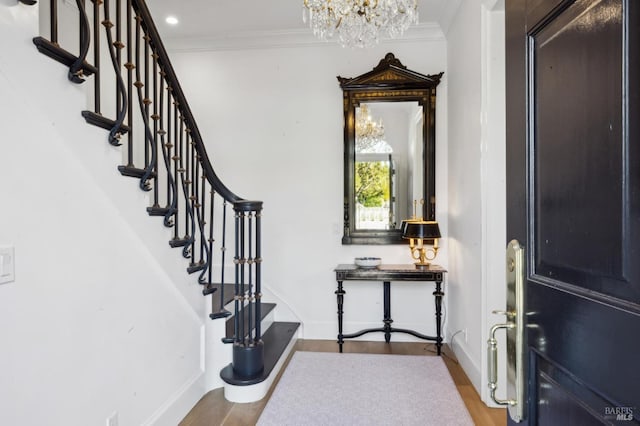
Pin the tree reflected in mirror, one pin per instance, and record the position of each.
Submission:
(373, 191)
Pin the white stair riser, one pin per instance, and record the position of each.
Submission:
(252, 393)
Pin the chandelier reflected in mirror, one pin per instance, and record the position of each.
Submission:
(369, 133)
(359, 23)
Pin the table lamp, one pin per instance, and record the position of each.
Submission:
(414, 218)
(417, 232)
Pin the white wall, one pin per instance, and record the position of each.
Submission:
(94, 323)
(464, 186)
(477, 206)
(272, 120)
(493, 162)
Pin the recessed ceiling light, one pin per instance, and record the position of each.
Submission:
(171, 20)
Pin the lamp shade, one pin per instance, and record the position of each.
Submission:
(405, 222)
(425, 230)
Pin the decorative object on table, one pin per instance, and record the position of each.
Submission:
(359, 23)
(367, 262)
(419, 233)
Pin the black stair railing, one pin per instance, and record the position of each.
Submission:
(120, 52)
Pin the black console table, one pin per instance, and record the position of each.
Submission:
(386, 274)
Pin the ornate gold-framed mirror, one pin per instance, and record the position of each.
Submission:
(389, 151)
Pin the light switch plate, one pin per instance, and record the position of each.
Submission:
(7, 264)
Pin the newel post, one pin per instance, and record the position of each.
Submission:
(248, 348)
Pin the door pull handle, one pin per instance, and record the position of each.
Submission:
(514, 330)
(492, 355)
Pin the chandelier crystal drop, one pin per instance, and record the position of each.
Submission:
(359, 23)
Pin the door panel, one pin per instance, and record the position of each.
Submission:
(561, 407)
(573, 197)
(586, 339)
(538, 10)
(580, 198)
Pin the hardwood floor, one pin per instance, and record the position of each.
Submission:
(214, 410)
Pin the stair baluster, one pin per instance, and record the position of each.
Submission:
(192, 186)
(53, 22)
(148, 96)
(96, 56)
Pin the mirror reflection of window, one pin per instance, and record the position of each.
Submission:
(415, 172)
(374, 191)
(388, 155)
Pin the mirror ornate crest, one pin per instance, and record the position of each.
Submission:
(389, 151)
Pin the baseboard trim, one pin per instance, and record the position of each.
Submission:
(471, 369)
(179, 404)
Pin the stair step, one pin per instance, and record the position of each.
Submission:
(179, 242)
(207, 290)
(229, 292)
(195, 267)
(134, 172)
(61, 55)
(103, 122)
(266, 308)
(276, 339)
(158, 211)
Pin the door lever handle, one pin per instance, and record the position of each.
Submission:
(492, 355)
(508, 314)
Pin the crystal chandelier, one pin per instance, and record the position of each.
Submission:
(368, 132)
(358, 23)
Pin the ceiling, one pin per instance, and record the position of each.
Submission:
(232, 18)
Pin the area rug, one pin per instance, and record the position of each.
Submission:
(364, 389)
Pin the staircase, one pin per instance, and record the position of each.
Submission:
(113, 47)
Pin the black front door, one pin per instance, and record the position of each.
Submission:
(573, 195)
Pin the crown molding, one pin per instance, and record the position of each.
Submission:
(448, 14)
(286, 39)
